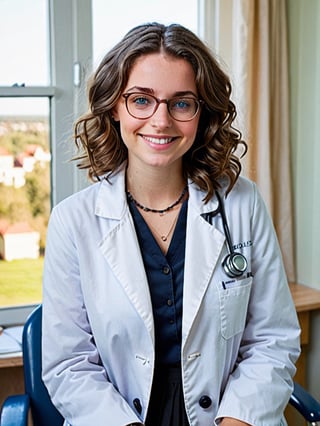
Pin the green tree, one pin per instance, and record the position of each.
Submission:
(14, 204)
(14, 142)
(38, 190)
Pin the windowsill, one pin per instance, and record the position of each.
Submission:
(15, 315)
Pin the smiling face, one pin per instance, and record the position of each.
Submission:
(158, 141)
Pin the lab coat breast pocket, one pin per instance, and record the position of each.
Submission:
(234, 298)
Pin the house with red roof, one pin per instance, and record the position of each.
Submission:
(18, 241)
(13, 169)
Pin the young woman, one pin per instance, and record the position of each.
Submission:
(165, 299)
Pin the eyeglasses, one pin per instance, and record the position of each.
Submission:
(143, 106)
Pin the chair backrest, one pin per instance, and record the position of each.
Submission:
(43, 411)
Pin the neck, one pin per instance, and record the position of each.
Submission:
(155, 189)
(163, 210)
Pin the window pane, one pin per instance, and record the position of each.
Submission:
(111, 20)
(24, 42)
(24, 197)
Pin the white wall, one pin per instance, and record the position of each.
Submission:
(304, 42)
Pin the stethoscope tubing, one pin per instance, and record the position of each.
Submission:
(234, 264)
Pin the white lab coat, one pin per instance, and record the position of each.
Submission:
(239, 344)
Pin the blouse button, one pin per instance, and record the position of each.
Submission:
(137, 405)
(205, 401)
(166, 270)
(169, 302)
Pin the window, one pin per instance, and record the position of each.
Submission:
(36, 111)
(24, 150)
(24, 43)
(24, 197)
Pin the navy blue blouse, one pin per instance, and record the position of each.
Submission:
(165, 275)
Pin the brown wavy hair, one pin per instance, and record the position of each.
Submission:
(212, 156)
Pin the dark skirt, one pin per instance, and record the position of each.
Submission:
(166, 406)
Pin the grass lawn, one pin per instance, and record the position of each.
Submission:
(20, 281)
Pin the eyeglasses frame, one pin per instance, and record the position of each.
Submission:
(199, 103)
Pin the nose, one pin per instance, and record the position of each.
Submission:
(161, 118)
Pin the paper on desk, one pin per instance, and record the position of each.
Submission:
(11, 340)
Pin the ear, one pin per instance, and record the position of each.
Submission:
(115, 114)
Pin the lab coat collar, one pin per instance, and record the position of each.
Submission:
(111, 200)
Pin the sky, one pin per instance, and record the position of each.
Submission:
(24, 41)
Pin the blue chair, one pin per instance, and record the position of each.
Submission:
(305, 404)
(36, 399)
(15, 408)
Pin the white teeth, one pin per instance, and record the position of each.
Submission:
(161, 141)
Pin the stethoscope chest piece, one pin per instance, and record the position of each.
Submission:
(234, 264)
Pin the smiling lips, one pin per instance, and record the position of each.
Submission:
(158, 141)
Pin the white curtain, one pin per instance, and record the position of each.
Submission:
(261, 86)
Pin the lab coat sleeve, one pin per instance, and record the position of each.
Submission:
(72, 371)
(260, 385)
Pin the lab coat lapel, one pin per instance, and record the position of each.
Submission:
(204, 243)
(121, 249)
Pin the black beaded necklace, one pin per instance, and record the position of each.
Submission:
(161, 211)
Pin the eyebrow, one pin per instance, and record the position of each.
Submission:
(151, 91)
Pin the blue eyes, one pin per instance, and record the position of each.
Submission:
(150, 101)
(180, 104)
(141, 101)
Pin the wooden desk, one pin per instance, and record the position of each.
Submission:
(11, 377)
(13, 361)
(306, 300)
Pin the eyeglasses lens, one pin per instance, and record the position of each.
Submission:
(141, 105)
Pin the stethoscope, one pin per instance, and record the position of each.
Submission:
(234, 264)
